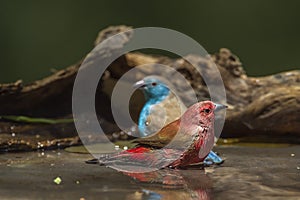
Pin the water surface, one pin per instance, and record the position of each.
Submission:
(248, 173)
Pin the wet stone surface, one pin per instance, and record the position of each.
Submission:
(248, 173)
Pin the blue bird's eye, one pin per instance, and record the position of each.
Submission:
(154, 84)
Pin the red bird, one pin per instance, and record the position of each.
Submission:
(182, 142)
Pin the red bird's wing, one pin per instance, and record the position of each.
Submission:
(161, 138)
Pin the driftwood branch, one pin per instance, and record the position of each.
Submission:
(268, 106)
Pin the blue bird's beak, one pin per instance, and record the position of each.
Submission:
(139, 84)
(220, 107)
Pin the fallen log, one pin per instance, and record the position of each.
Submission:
(258, 106)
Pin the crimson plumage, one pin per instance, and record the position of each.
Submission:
(182, 142)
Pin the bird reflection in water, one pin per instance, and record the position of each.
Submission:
(172, 184)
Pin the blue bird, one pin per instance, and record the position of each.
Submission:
(161, 108)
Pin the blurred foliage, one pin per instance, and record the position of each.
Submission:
(37, 36)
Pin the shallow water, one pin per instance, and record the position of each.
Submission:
(248, 173)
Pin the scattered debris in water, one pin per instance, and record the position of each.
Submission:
(57, 180)
(105, 188)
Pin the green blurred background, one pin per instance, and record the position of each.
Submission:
(37, 36)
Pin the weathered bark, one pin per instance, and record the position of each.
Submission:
(258, 106)
(267, 105)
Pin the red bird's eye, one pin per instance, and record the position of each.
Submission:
(154, 84)
(207, 111)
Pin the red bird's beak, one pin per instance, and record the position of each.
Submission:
(219, 107)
